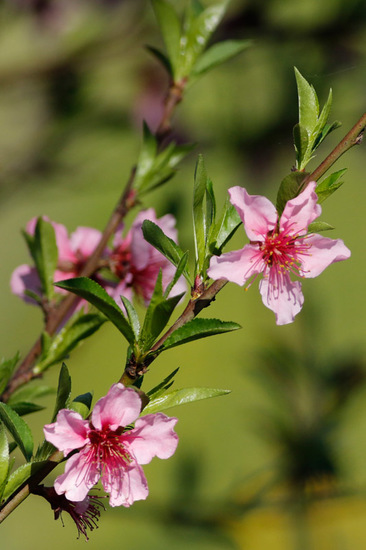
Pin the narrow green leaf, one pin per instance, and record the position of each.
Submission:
(218, 54)
(4, 458)
(157, 315)
(98, 297)
(170, 28)
(198, 328)
(161, 58)
(197, 31)
(20, 476)
(182, 266)
(18, 429)
(199, 190)
(132, 316)
(289, 189)
(30, 392)
(302, 146)
(164, 385)
(318, 227)
(180, 397)
(225, 228)
(324, 115)
(63, 391)
(330, 184)
(7, 367)
(155, 236)
(43, 249)
(82, 404)
(24, 407)
(68, 338)
(308, 103)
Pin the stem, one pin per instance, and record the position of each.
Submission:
(126, 202)
(194, 307)
(354, 137)
(24, 491)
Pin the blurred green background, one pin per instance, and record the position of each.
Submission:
(280, 462)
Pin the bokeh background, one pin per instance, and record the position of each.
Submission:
(280, 462)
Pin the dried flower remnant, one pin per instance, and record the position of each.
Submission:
(85, 513)
(109, 449)
(278, 248)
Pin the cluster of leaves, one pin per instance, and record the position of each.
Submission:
(186, 42)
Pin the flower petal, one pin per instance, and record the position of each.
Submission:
(323, 252)
(80, 476)
(237, 266)
(301, 211)
(25, 277)
(285, 301)
(69, 432)
(256, 212)
(119, 407)
(153, 435)
(129, 486)
(84, 240)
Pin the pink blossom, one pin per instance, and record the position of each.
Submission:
(108, 449)
(73, 252)
(278, 248)
(136, 263)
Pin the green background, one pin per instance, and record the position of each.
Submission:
(76, 81)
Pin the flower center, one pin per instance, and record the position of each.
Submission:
(107, 449)
(282, 252)
(120, 262)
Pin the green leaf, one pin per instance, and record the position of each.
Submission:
(155, 236)
(68, 338)
(198, 328)
(170, 28)
(198, 29)
(219, 53)
(63, 391)
(308, 103)
(18, 429)
(317, 227)
(25, 407)
(224, 229)
(82, 404)
(7, 367)
(199, 191)
(132, 316)
(289, 189)
(4, 459)
(163, 386)
(98, 297)
(43, 249)
(30, 392)
(180, 397)
(20, 476)
(157, 315)
(182, 266)
(163, 59)
(327, 187)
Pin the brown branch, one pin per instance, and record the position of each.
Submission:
(354, 137)
(194, 307)
(127, 201)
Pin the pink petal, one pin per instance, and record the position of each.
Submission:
(65, 252)
(69, 432)
(301, 211)
(285, 301)
(24, 278)
(81, 474)
(323, 252)
(119, 407)
(153, 435)
(237, 266)
(84, 240)
(256, 212)
(128, 486)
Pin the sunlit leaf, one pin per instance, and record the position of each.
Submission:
(198, 328)
(181, 397)
(18, 429)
